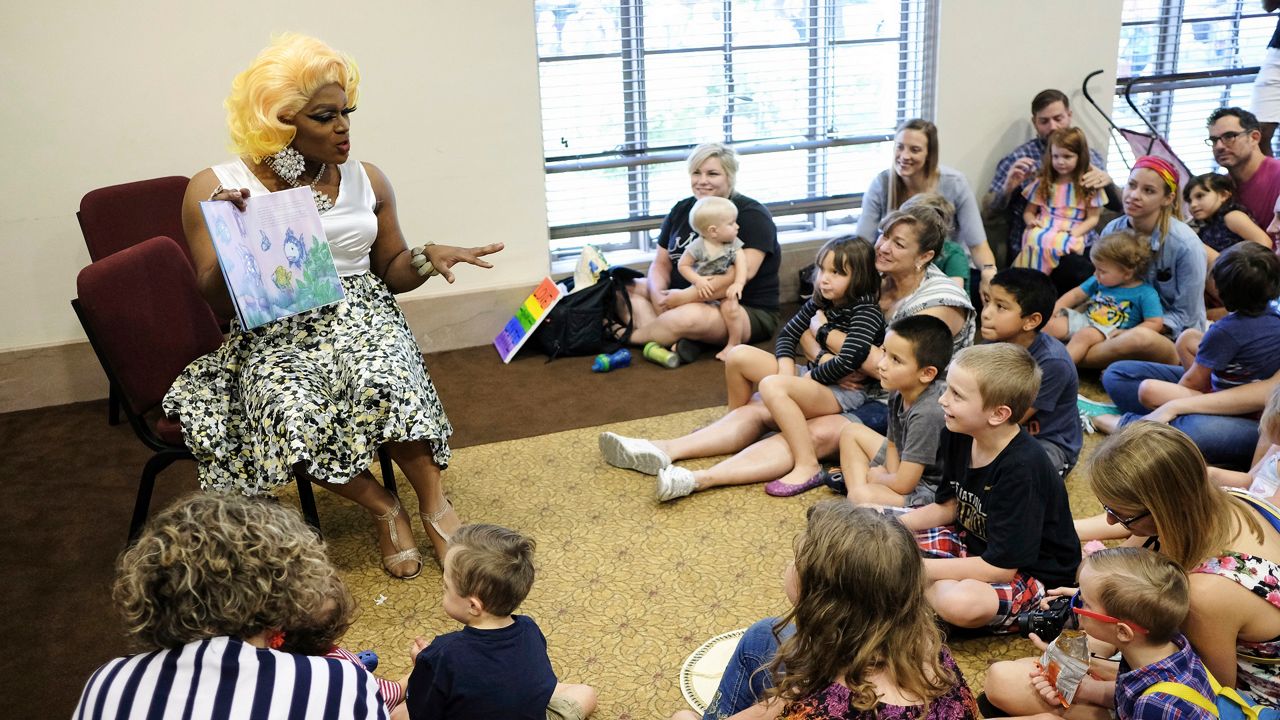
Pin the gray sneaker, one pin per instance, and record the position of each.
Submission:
(632, 453)
(673, 482)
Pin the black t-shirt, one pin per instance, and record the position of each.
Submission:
(1014, 511)
(501, 674)
(755, 229)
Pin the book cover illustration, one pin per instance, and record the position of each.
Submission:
(274, 256)
(520, 327)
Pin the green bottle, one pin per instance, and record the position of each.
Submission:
(655, 353)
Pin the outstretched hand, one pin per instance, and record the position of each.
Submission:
(444, 257)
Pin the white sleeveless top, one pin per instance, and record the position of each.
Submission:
(350, 225)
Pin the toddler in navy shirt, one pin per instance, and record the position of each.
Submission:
(496, 666)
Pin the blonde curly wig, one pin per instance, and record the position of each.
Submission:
(218, 564)
(280, 81)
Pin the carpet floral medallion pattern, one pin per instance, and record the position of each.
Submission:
(626, 587)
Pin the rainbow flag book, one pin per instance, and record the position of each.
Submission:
(532, 311)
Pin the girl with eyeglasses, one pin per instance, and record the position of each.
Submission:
(1152, 479)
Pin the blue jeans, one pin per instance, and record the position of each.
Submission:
(1225, 441)
(741, 686)
(873, 414)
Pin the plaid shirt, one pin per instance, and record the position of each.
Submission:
(1184, 667)
(1034, 149)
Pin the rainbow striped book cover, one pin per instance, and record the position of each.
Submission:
(532, 311)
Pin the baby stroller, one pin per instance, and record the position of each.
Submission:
(1148, 141)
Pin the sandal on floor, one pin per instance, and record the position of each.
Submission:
(431, 521)
(412, 553)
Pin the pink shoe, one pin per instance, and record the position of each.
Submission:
(777, 488)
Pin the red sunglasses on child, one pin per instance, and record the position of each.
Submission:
(1077, 607)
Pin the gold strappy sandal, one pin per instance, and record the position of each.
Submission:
(412, 553)
(431, 521)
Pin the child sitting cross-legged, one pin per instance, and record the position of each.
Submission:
(496, 666)
(905, 470)
(1016, 309)
(1134, 600)
(999, 530)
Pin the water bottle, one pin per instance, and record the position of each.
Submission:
(604, 363)
(655, 353)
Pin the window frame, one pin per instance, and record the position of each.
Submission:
(917, 28)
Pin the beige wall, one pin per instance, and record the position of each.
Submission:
(102, 93)
(995, 55)
(109, 92)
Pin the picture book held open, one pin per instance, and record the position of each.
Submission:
(274, 255)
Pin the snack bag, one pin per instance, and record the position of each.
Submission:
(1066, 662)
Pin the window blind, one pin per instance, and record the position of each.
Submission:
(1161, 38)
(808, 91)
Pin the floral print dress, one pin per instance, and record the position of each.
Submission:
(320, 390)
(1258, 663)
(834, 703)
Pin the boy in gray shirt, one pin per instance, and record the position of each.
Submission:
(902, 470)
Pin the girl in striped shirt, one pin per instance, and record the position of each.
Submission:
(1061, 212)
(846, 293)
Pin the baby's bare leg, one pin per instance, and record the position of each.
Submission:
(735, 318)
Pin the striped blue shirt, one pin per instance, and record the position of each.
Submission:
(224, 678)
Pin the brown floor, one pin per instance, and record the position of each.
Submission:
(69, 481)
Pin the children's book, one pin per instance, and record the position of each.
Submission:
(274, 255)
(532, 311)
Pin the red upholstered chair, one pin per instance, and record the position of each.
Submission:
(146, 320)
(121, 216)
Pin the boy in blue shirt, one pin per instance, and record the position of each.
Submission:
(1244, 346)
(1000, 529)
(1015, 310)
(497, 666)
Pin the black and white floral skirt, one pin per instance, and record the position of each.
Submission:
(324, 389)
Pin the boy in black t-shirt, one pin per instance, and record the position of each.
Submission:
(497, 666)
(1000, 530)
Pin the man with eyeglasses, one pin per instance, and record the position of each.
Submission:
(1234, 135)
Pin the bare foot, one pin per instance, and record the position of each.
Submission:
(800, 474)
(723, 355)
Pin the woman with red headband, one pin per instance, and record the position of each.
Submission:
(1224, 437)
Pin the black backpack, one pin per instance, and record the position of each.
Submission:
(588, 322)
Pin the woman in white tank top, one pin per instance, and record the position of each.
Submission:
(321, 391)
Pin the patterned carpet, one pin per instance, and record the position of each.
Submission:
(626, 587)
